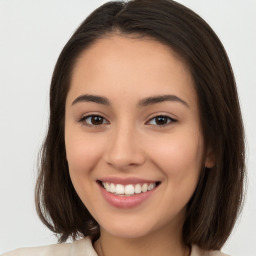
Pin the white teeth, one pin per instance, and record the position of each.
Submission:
(107, 187)
(129, 190)
(119, 189)
(144, 187)
(112, 188)
(151, 186)
(137, 189)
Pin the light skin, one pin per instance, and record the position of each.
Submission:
(147, 126)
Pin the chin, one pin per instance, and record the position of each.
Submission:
(128, 230)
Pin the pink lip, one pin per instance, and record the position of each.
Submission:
(126, 201)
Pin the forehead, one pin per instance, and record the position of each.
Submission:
(129, 65)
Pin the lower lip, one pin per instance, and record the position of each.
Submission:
(125, 201)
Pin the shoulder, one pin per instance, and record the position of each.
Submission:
(81, 247)
(197, 251)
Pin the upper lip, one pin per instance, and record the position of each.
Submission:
(126, 181)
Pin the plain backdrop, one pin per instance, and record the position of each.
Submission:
(32, 34)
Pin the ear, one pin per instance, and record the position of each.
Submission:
(209, 159)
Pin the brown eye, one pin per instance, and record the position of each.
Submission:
(93, 120)
(161, 120)
(96, 120)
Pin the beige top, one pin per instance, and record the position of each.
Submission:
(84, 247)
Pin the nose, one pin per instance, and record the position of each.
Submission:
(124, 149)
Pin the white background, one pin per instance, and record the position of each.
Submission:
(32, 34)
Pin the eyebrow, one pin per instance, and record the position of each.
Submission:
(161, 98)
(142, 103)
(92, 98)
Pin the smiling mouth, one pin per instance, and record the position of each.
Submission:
(129, 189)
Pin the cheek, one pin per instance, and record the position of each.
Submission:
(179, 156)
(179, 159)
(83, 153)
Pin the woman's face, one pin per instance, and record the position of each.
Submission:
(132, 125)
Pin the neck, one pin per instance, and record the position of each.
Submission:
(165, 243)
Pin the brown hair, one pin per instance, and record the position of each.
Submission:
(214, 207)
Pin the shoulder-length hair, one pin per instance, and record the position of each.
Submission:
(214, 206)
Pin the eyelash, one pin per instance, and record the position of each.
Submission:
(170, 120)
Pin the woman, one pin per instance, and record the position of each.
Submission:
(145, 152)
